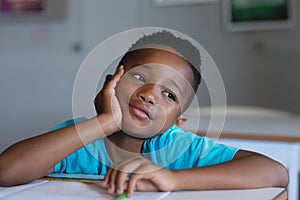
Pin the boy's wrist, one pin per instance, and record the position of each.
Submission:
(108, 124)
(182, 180)
(177, 180)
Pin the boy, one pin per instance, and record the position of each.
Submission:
(134, 133)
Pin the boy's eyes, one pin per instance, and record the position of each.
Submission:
(168, 94)
(139, 77)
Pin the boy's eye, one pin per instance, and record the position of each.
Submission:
(170, 95)
(139, 77)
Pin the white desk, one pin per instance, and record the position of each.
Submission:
(255, 194)
(276, 137)
(74, 190)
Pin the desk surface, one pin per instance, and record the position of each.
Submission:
(286, 129)
(257, 194)
(59, 190)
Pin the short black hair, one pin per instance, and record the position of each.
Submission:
(184, 47)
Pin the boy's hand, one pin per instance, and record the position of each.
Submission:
(144, 176)
(106, 101)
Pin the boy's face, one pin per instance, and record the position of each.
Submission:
(153, 91)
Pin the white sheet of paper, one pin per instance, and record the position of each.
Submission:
(59, 190)
(49, 190)
(247, 194)
(8, 191)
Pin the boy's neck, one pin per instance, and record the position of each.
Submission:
(126, 142)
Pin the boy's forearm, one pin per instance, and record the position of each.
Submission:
(252, 171)
(32, 158)
(95, 128)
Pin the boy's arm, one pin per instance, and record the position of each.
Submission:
(35, 157)
(246, 170)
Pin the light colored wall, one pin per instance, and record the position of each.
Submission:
(265, 76)
(38, 64)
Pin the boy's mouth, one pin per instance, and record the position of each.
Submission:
(140, 111)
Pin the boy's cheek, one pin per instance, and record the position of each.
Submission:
(125, 90)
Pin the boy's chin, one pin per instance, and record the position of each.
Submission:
(141, 132)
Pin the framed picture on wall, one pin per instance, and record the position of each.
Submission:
(181, 2)
(28, 9)
(247, 15)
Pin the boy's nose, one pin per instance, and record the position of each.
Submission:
(148, 93)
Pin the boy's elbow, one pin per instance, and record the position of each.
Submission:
(283, 177)
(7, 174)
(280, 177)
(4, 180)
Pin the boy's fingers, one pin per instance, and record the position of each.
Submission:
(111, 80)
(112, 180)
(114, 77)
(120, 181)
(121, 67)
(108, 79)
(132, 184)
(118, 74)
(106, 178)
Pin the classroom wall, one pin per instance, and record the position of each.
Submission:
(39, 59)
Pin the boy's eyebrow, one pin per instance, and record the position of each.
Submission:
(172, 80)
(151, 68)
(177, 86)
(142, 65)
(147, 66)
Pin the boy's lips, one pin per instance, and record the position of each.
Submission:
(140, 111)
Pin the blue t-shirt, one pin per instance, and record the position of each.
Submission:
(174, 149)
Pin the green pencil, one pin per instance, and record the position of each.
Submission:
(121, 196)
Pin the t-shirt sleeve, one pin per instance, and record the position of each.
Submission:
(204, 152)
(86, 160)
(182, 150)
(80, 162)
(74, 163)
(211, 152)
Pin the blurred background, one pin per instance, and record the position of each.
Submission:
(41, 51)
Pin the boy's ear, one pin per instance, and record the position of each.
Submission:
(181, 119)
